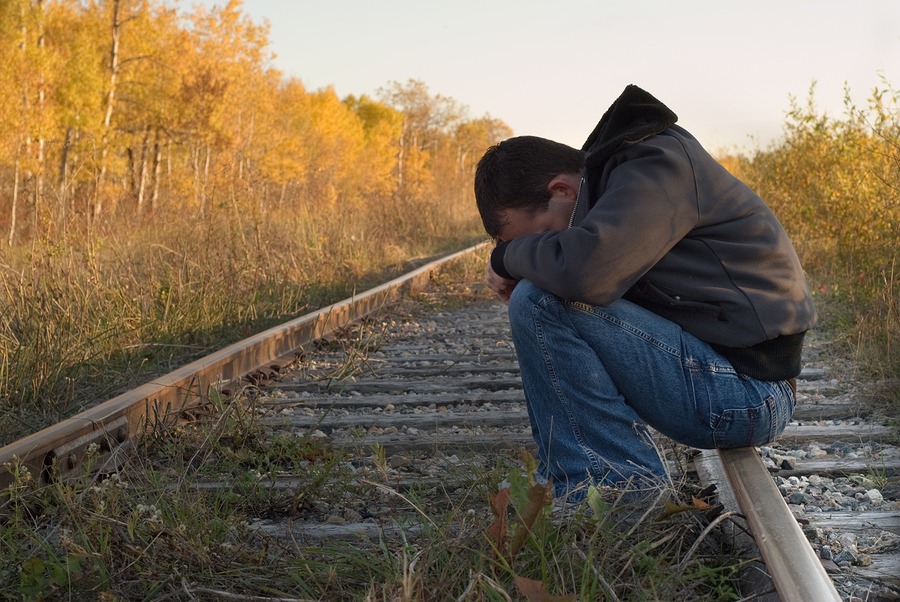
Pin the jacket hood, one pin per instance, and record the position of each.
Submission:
(633, 116)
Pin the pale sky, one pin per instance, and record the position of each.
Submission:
(550, 69)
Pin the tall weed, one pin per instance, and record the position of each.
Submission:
(835, 184)
(91, 313)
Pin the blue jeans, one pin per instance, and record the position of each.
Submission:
(595, 377)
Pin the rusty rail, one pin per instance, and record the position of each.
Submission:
(119, 423)
(790, 560)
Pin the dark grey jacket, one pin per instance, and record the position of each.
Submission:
(659, 222)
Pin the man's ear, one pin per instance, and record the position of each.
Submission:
(564, 184)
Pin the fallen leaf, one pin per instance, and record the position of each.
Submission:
(534, 591)
(672, 508)
(497, 531)
(538, 498)
(699, 504)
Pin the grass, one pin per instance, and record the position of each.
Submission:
(148, 531)
(82, 319)
(148, 535)
(833, 182)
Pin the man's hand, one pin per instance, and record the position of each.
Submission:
(500, 285)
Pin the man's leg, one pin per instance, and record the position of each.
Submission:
(595, 376)
(584, 429)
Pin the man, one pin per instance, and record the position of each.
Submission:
(646, 286)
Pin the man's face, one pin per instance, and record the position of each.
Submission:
(519, 222)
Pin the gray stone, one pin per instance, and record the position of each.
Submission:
(845, 557)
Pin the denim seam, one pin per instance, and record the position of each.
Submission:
(773, 415)
(593, 461)
(754, 421)
(599, 313)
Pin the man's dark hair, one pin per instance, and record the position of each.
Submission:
(515, 174)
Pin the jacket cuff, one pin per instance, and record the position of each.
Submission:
(497, 260)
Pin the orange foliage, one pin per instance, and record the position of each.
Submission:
(190, 112)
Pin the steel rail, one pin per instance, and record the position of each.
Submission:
(119, 423)
(795, 568)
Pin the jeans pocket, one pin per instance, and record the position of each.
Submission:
(751, 426)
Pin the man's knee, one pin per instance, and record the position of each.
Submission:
(524, 298)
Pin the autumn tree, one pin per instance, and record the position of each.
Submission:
(282, 157)
(471, 139)
(27, 71)
(383, 129)
(147, 102)
(77, 98)
(14, 117)
(128, 107)
(223, 76)
(427, 119)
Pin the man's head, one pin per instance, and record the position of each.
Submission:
(522, 174)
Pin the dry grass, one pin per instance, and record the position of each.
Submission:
(145, 531)
(88, 315)
(835, 183)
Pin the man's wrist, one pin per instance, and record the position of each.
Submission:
(497, 261)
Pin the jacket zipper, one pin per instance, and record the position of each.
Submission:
(577, 196)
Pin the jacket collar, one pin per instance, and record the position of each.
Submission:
(632, 117)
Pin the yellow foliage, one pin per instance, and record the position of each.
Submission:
(835, 185)
(190, 116)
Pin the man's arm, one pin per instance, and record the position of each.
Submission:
(648, 205)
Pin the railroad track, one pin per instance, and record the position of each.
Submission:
(448, 381)
(423, 401)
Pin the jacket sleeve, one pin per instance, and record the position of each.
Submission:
(648, 204)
